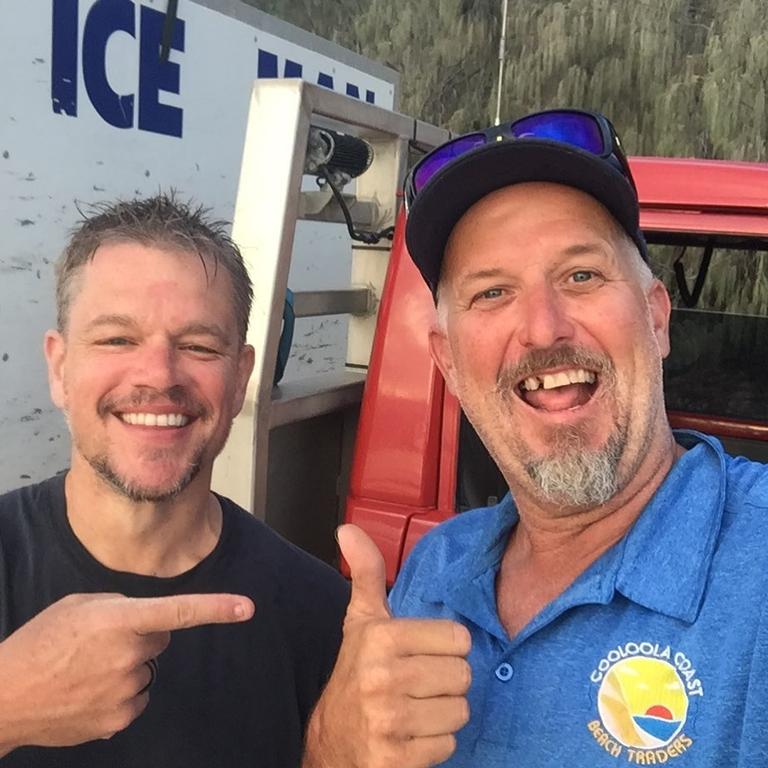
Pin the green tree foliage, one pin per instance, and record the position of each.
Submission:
(442, 54)
(677, 77)
(331, 19)
(734, 89)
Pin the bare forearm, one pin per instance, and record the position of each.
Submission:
(12, 733)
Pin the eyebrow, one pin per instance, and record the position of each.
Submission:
(191, 329)
(481, 274)
(124, 321)
(203, 329)
(581, 249)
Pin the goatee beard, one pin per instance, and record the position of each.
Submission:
(576, 477)
(137, 493)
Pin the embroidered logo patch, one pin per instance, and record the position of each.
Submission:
(643, 700)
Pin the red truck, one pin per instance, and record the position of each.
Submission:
(417, 460)
(379, 441)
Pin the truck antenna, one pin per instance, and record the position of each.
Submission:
(502, 56)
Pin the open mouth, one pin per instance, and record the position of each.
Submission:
(166, 420)
(559, 391)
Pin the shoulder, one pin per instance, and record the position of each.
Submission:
(740, 484)
(29, 496)
(744, 529)
(747, 483)
(450, 550)
(30, 506)
(304, 598)
(295, 575)
(452, 539)
(735, 491)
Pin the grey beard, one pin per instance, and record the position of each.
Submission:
(577, 478)
(136, 493)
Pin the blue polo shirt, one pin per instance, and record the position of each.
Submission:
(656, 654)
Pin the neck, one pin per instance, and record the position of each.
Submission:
(547, 550)
(549, 529)
(149, 538)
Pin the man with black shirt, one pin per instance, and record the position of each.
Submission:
(150, 365)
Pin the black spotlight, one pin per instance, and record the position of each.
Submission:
(341, 156)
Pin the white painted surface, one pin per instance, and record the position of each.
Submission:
(49, 161)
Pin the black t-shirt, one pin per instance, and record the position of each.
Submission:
(226, 695)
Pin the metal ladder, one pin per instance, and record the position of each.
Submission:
(269, 203)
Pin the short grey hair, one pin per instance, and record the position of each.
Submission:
(163, 221)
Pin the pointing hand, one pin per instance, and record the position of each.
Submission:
(80, 669)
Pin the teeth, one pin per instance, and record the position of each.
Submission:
(552, 380)
(155, 420)
(561, 379)
(531, 384)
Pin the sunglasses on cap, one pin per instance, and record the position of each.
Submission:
(587, 131)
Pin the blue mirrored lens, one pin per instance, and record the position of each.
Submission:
(578, 130)
(444, 155)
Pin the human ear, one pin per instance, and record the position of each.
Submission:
(440, 349)
(55, 349)
(245, 363)
(660, 308)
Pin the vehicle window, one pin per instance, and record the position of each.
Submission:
(719, 360)
(479, 483)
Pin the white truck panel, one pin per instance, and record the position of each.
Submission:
(50, 160)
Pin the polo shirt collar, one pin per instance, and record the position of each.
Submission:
(468, 584)
(668, 551)
(662, 563)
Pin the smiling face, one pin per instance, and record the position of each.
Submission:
(552, 335)
(150, 370)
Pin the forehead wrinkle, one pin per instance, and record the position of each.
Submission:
(606, 237)
(480, 274)
(124, 321)
(610, 250)
(190, 329)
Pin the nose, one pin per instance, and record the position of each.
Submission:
(156, 366)
(544, 320)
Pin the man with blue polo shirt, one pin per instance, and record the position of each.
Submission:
(616, 598)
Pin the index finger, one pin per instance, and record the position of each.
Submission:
(161, 614)
(430, 637)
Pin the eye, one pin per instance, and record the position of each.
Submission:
(199, 349)
(114, 341)
(584, 280)
(489, 294)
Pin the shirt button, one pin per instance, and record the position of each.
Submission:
(504, 672)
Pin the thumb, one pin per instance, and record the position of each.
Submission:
(366, 565)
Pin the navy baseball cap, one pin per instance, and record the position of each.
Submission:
(570, 147)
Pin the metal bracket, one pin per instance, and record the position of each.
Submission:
(359, 301)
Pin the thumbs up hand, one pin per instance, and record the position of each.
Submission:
(397, 693)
